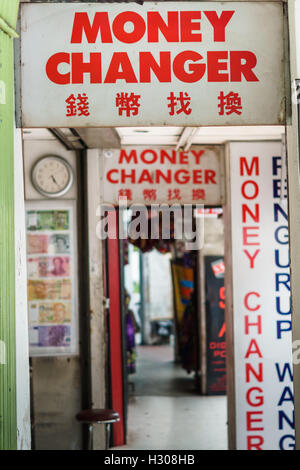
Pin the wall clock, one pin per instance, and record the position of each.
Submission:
(52, 176)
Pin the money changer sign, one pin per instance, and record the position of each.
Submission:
(151, 175)
(171, 63)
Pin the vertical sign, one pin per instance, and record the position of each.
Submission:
(215, 325)
(261, 297)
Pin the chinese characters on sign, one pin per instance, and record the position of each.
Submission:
(150, 195)
(230, 103)
(51, 304)
(180, 63)
(163, 175)
(179, 103)
(77, 106)
(128, 104)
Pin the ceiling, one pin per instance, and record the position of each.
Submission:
(179, 137)
(198, 135)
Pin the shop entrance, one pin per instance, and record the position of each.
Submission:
(175, 344)
(172, 323)
(216, 106)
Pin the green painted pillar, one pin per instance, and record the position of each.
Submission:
(8, 419)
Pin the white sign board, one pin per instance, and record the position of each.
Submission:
(261, 298)
(161, 175)
(170, 63)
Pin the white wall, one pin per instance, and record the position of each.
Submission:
(56, 381)
(160, 294)
(213, 236)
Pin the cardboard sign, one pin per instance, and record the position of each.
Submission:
(261, 297)
(158, 175)
(171, 63)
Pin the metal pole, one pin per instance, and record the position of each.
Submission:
(142, 297)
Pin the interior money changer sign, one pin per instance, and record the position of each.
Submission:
(162, 175)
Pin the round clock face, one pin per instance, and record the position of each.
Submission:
(52, 176)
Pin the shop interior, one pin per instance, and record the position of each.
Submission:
(175, 337)
(172, 309)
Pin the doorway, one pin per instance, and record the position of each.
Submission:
(173, 354)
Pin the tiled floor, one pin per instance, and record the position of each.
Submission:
(165, 411)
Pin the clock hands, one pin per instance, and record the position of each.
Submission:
(54, 180)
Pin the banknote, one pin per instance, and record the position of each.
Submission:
(55, 312)
(50, 312)
(46, 266)
(50, 336)
(47, 220)
(51, 289)
(59, 243)
(37, 244)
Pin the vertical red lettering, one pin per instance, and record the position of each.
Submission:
(251, 257)
(254, 166)
(257, 374)
(254, 442)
